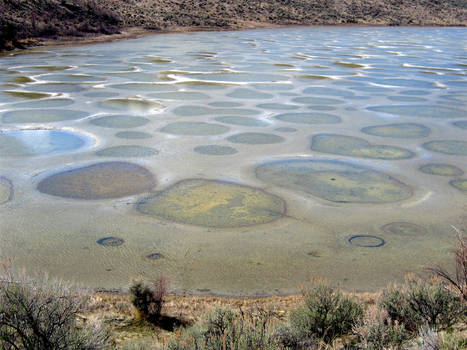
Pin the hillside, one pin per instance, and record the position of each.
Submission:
(21, 20)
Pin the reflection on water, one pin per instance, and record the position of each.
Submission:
(332, 152)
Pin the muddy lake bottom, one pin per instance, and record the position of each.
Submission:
(236, 163)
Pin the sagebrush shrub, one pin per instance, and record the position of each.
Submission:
(148, 300)
(42, 314)
(326, 313)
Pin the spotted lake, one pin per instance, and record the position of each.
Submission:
(236, 162)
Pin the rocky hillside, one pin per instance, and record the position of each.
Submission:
(23, 19)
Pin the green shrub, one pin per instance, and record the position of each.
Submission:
(326, 314)
(423, 302)
(148, 300)
(40, 314)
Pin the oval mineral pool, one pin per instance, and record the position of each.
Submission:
(180, 95)
(110, 241)
(244, 93)
(318, 90)
(278, 106)
(6, 190)
(255, 138)
(212, 203)
(99, 181)
(55, 87)
(154, 256)
(406, 99)
(460, 184)
(451, 147)
(135, 105)
(401, 130)
(366, 241)
(403, 228)
(143, 87)
(356, 147)
(192, 111)
(245, 121)
(336, 181)
(308, 118)
(133, 135)
(194, 129)
(225, 104)
(215, 150)
(47, 103)
(423, 111)
(127, 151)
(285, 129)
(41, 115)
(119, 121)
(40, 141)
(461, 124)
(310, 100)
(441, 169)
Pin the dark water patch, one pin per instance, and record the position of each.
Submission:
(335, 181)
(119, 121)
(100, 94)
(154, 256)
(99, 181)
(277, 106)
(415, 92)
(55, 88)
(110, 241)
(406, 99)
(41, 115)
(6, 190)
(143, 87)
(133, 135)
(215, 150)
(127, 151)
(26, 95)
(310, 100)
(137, 105)
(180, 95)
(38, 142)
(423, 111)
(403, 228)
(318, 90)
(460, 184)
(461, 124)
(47, 103)
(356, 147)
(245, 121)
(367, 241)
(308, 118)
(273, 87)
(212, 203)
(225, 104)
(462, 98)
(400, 130)
(255, 138)
(244, 93)
(194, 129)
(451, 147)
(285, 129)
(72, 78)
(441, 169)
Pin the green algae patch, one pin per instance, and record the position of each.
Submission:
(212, 203)
(244, 121)
(41, 115)
(215, 150)
(460, 184)
(441, 169)
(308, 118)
(194, 129)
(27, 94)
(451, 147)
(335, 181)
(127, 151)
(255, 138)
(6, 190)
(133, 135)
(119, 121)
(138, 105)
(400, 131)
(422, 111)
(403, 228)
(99, 181)
(356, 147)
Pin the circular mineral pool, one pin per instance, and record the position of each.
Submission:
(136, 135)
(41, 115)
(451, 147)
(194, 129)
(127, 151)
(212, 203)
(119, 121)
(366, 241)
(255, 138)
(460, 184)
(215, 150)
(40, 141)
(403, 228)
(441, 169)
(110, 241)
(400, 130)
(308, 118)
(244, 121)
(154, 256)
(423, 111)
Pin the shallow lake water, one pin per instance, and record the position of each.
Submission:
(238, 163)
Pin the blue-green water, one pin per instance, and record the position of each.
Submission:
(336, 152)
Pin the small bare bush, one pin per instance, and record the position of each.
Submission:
(43, 314)
(148, 300)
